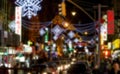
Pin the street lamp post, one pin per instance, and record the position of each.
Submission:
(99, 43)
(119, 31)
(98, 58)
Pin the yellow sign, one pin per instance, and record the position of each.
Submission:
(116, 44)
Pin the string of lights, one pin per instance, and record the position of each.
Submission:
(90, 27)
(45, 23)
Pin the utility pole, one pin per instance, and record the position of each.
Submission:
(98, 56)
(99, 6)
(99, 43)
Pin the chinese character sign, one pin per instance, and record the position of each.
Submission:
(18, 20)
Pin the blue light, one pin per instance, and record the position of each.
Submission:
(12, 25)
(29, 7)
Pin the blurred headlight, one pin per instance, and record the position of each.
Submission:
(72, 62)
(58, 68)
(29, 73)
(53, 73)
(75, 51)
(9, 65)
(44, 73)
(74, 59)
(1, 64)
(66, 66)
(61, 67)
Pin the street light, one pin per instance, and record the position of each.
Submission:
(86, 33)
(73, 13)
(65, 24)
(98, 60)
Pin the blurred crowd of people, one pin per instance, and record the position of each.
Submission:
(107, 66)
(40, 56)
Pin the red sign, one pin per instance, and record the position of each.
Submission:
(110, 18)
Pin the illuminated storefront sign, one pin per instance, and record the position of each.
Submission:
(18, 20)
(110, 17)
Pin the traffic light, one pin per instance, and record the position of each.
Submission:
(62, 9)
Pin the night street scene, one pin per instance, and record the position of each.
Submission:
(59, 36)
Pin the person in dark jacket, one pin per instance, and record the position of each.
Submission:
(115, 68)
(96, 70)
(78, 68)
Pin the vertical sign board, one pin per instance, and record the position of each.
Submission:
(103, 33)
(110, 17)
(18, 13)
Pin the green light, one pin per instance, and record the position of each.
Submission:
(46, 37)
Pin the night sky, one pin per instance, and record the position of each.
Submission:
(50, 9)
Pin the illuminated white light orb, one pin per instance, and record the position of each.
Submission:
(71, 34)
(42, 31)
(12, 26)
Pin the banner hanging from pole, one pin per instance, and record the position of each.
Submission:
(18, 21)
(110, 17)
